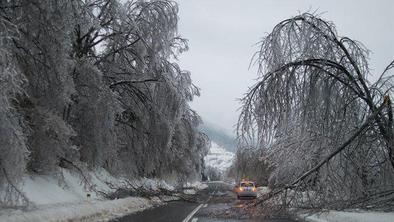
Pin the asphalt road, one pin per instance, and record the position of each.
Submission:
(217, 203)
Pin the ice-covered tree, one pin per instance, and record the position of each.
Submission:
(314, 110)
(89, 84)
(13, 131)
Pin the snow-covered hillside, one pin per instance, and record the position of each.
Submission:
(219, 158)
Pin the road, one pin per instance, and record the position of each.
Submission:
(217, 203)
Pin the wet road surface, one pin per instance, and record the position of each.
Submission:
(217, 203)
(171, 212)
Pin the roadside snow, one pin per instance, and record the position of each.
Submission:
(152, 184)
(192, 188)
(219, 158)
(262, 191)
(341, 216)
(45, 189)
(68, 198)
(91, 211)
(197, 185)
(189, 191)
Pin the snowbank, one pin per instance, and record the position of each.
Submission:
(152, 184)
(192, 188)
(42, 189)
(341, 216)
(262, 191)
(68, 198)
(45, 189)
(90, 211)
(197, 185)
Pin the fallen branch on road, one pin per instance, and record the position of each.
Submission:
(141, 191)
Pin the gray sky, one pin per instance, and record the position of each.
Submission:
(222, 36)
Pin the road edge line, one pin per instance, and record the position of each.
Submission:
(192, 213)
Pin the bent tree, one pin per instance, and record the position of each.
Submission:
(327, 130)
(88, 85)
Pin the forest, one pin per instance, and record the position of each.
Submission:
(95, 84)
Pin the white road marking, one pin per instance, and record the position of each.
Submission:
(205, 205)
(195, 220)
(192, 213)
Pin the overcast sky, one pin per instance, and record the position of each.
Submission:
(222, 36)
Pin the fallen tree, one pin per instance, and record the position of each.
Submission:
(325, 128)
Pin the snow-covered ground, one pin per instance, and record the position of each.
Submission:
(351, 216)
(70, 199)
(262, 191)
(219, 158)
(41, 189)
(197, 185)
(94, 210)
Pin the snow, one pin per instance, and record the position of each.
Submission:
(263, 191)
(197, 185)
(219, 158)
(67, 199)
(46, 189)
(191, 188)
(153, 184)
(348, 216)
(88, 210)
(189, 191)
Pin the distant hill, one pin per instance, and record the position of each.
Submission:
(219, 158)
(219, 136)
